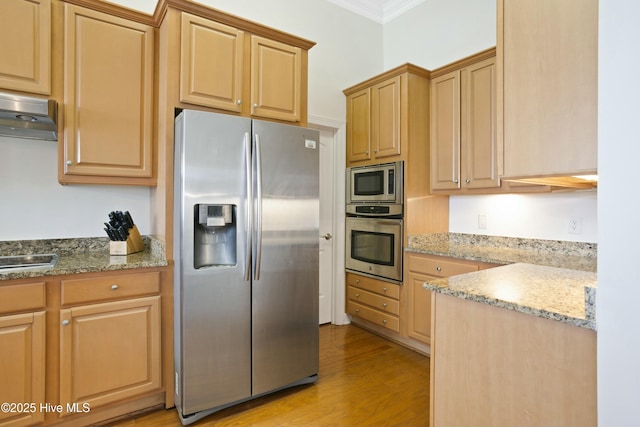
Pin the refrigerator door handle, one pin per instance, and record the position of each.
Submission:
(258, 208)
(249, 208)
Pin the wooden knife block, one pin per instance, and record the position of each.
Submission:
(133, 244)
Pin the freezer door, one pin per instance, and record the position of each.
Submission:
(285, 287)
(213, 303)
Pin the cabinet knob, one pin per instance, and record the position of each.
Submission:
(438, 268)
(375, 151)
(357, 295)
(366, 152)
(239, 101)
(357, 280)
(384, 305)
(467, 181)
(384, 289)
(255, 105)
(65, 322)
(357, 310)
(384, 321)
(114, 286)
(69, 162)
(455, 180)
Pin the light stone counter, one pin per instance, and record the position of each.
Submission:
(82, 255)
(548, 279)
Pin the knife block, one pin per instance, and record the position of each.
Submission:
(133, 244)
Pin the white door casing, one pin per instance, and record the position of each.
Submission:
(332, 214)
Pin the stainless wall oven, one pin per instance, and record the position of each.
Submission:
(374, 223)
(374, 247)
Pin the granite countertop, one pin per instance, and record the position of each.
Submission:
(82, 255)
(549, 279)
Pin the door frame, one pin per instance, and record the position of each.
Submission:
(338, 127)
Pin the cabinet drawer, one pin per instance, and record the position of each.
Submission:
(439, 267)
(388, 321)
(387, 289)
(28, 296)
(109, 287)
(374, 300)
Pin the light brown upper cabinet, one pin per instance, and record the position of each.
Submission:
(25, 50)
(211, 63)
(384, 116)
(373, 122)
(275, 79)
(226, 68)
(464, 152)
(548, 68)
(359, 126)
(108, 99)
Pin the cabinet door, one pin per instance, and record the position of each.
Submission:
(359, 126)
(25, 51)
(22, 368)
(445, 131)
(419, 308)
(385, 119)
(109, 351)
(276, 78)
(550, 72)
(478, 121)
(108, 91)
(211, 64)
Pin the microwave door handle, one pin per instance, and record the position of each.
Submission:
(257, 163)
(249, 209)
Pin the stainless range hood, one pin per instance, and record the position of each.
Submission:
(28, 117)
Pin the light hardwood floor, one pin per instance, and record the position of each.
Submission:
(364, 380)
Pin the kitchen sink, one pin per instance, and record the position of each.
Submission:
(15, 263)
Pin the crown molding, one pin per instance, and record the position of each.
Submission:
(393, 8)
(381, 11)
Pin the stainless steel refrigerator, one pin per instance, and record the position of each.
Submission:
(246, 250)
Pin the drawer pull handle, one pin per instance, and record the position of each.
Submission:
(65, 322)
(114, 287)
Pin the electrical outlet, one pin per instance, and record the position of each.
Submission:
(575, 225)
(482, 221)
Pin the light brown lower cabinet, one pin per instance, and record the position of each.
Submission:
(419, 268)
(22, 368)
(83, 349)
(374, 301)
(109, 352)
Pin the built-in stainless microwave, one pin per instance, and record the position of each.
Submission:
(375, 183)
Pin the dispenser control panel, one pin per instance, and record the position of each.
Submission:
(215, 215)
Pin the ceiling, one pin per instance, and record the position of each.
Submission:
(381, 11)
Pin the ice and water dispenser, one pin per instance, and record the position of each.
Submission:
(214, 232)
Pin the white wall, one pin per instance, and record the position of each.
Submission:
(618, 238)
(438, 32)
(34, 206)
(534, 216)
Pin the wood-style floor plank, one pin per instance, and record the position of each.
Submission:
(364, 380)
